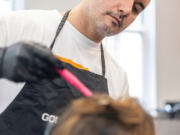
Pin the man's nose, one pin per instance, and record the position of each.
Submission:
(125, 7)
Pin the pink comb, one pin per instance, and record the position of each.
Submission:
(70, 78)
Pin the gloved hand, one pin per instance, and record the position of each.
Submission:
(27, 61)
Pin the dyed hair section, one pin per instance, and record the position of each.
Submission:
(102, 115)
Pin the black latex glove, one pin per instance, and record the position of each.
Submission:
(27, 61)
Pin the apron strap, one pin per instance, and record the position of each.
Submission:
(59, 30)
(60, 27)
(103, 61)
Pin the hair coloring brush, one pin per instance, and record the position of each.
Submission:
(73, 80)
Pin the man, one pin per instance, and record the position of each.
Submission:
(75, 42)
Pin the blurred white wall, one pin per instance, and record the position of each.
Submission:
(168, 50)
(167, 43)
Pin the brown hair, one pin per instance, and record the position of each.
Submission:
(101, 115)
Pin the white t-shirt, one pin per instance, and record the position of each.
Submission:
(40, 26)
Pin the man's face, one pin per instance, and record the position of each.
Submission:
(110, 17)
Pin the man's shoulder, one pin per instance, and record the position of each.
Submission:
(31, 14)
(28, 15)
(36, 25)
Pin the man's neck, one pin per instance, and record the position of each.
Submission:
(79, 20)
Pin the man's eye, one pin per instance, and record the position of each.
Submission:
(137, 8)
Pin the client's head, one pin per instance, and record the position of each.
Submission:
(101, 115)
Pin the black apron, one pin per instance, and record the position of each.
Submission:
(37, 103)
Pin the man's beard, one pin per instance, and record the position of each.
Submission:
(105, 30)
